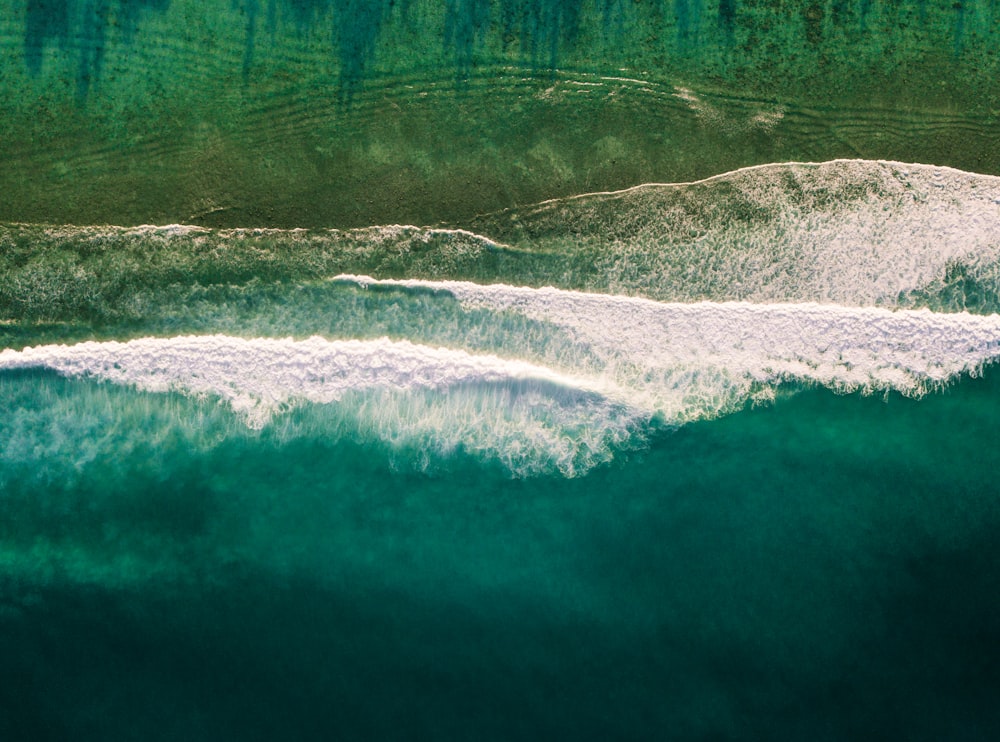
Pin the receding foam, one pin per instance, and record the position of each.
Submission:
(851, 232)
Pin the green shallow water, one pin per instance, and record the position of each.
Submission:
(824, 566)
(346, 113)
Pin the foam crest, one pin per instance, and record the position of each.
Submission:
(845, 348)
(413, 397)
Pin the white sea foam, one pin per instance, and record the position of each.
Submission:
(630, 361)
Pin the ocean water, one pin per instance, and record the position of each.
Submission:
(499, 369)
(713, 460)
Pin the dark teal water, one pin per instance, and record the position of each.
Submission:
(825, 567)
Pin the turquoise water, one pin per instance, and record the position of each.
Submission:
(709, 461)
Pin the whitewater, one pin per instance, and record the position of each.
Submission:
(599, 372)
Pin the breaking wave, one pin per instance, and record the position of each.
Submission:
(594, 374)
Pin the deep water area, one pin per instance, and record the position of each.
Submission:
(820, 567)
